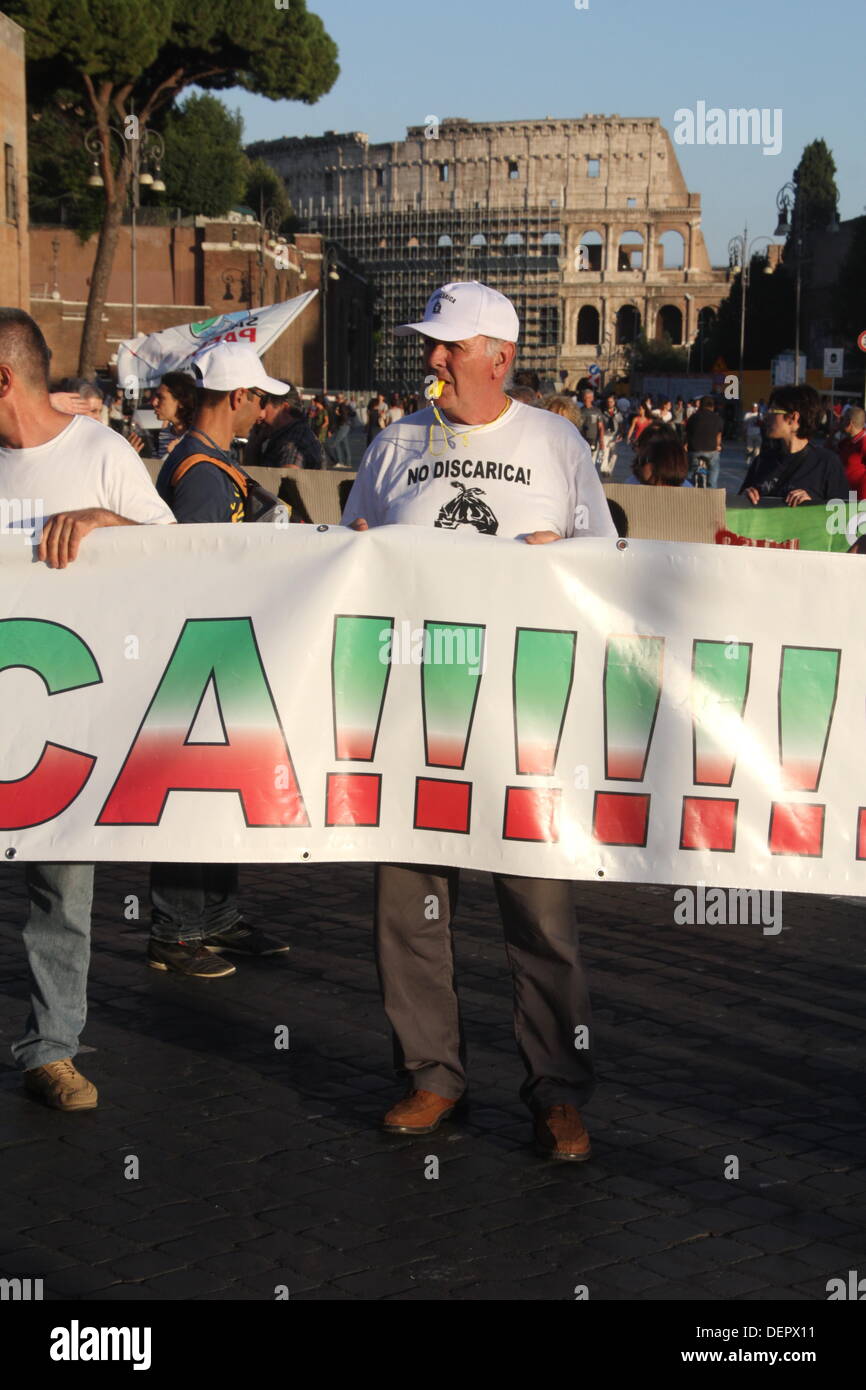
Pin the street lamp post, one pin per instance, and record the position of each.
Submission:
(786, 198)
(329, 272)
(147, 150)
(740, 252)
(270, 220)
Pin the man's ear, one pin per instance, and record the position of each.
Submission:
(504, 359)
(237, 397)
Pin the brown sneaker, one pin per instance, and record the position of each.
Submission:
(559, 1133)
(187, 958)
(61, 1085)
(420, 1112)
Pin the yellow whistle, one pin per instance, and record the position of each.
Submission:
(434, 389)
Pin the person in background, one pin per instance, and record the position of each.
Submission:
(527, 396)
(791, 465)
(664, 412)
(395, 409)
(174, 403)
(642, 419)
(704, 440)
(679, 414)
(852, 450)
(661, 462)
(612, 421)
(282, 437)
(377, 412)
(752, 434)
(591, 423)
(558, 404)
(320, 422)
(338, 450)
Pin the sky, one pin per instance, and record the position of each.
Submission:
(509, 60)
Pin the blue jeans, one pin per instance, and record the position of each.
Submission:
(338, 447)
(712, 460)
(57, 942)
(190, 902)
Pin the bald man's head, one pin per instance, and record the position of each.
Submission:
(23, 349)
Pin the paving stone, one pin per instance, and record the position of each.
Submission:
(260, 1170)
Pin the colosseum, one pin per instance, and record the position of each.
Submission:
(586, 224)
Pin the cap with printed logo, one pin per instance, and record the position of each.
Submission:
(228, 366)
(463, 310)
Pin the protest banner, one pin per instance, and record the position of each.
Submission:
(638, 711)
(830, 526)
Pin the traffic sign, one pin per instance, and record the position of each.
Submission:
(861, 342)
(594, 370)
(833, 362)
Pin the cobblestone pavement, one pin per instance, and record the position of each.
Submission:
(260, 1167)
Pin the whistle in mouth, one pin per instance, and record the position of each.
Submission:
(433, 387)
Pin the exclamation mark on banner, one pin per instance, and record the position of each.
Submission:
(720, 688)
(360, 668)
(632, 690)
(542, 680)
(808, 682)
(450, 680)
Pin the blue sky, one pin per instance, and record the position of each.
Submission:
(500, 59)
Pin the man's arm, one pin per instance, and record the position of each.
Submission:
(62, 534)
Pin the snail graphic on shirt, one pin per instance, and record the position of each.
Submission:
(467, 510)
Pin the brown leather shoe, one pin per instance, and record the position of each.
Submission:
(559, 1133)
(61, 1085)
(420, 1112)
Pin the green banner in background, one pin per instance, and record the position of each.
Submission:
(819, 526)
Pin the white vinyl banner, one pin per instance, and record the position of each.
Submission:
(601, 709)
(143, 360)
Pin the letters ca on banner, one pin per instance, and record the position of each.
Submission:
(572, 710)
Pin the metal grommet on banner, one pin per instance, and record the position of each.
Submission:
(305, 854)
(599, 873)
(323, 528)
(11, 853)
(622, 545)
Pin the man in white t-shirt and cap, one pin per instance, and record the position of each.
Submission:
(475, 457)
(84, 476)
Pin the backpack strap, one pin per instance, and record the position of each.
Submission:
(240, 479)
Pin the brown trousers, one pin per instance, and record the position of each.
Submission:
(415, 959)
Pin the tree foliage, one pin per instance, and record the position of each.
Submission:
(265, 189)
(120, 59)
(657, 355)
(850, 295)
(770, 304)
(817, 195)
(204, 168)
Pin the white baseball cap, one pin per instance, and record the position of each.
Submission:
(463, 310)
(228, 366)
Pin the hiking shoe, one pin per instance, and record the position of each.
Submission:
(559, 1133)
(245, 941)
(419, 1112)
(61, 1085)
(186, 958)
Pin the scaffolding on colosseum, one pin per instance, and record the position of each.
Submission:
(407, 251)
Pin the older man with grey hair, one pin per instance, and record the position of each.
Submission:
(476, 457)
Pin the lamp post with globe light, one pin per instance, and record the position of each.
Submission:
(740, 252)
(147, 152)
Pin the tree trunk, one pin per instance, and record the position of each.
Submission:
(101, 273)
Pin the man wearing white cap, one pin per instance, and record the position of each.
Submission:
(475, 457)
(233, 387)
(194, 907)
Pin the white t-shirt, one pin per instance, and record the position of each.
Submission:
(86, 465)
(530, 470)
